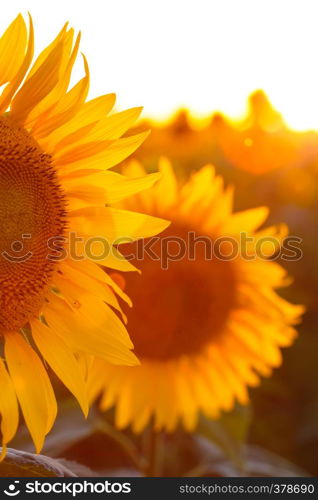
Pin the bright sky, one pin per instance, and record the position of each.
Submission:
(206, 55)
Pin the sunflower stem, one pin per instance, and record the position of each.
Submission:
(155, 454)
(124, 442)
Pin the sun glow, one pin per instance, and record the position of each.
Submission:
(205, 56)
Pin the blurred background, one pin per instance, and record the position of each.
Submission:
(197, 68)
(272, 165)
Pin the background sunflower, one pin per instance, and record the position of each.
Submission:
(205, 324)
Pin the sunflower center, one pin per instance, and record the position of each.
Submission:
(32, 213)
(179, 310)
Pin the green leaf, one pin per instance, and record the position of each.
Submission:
(258, 463)
(228, 433)
(70, 428)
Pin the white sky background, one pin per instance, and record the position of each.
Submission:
(206, 55)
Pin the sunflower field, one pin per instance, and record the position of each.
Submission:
(158, 281)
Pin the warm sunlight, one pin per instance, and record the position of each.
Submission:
(206, 56)
(158, 247)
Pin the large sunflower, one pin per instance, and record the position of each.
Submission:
(55, 150)
(204, 328)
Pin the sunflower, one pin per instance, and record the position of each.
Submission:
(203, 328)
(57, 304)
(261, 142)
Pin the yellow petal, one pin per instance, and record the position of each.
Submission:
(94, 271)
(32, 386)
(44, 54)
(114, 126)
(93, 328)
(42, 109)
(134, 169)
(113, 187)
(246, 221)
(65, 109)
(88, 115)
(38, 86)
(167, 188)
(13, 45)
(72, 281)
(115, 225)
(100, 155)
(8, 408)
(15, 82)
(61, 360)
